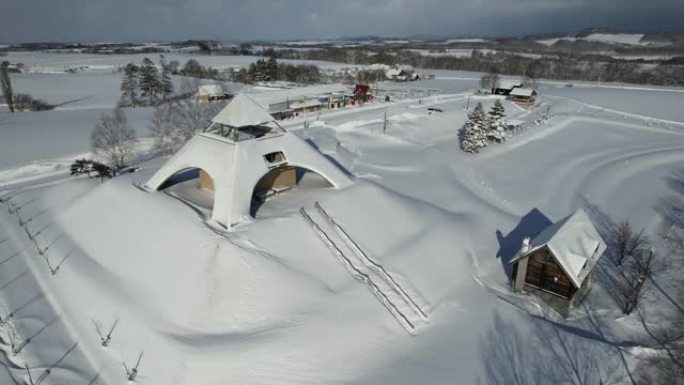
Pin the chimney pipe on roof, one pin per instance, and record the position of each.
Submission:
(525, 247)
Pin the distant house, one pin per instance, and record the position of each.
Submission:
(506, 86)
(395, 74)
(211, 92)
(559, 260)
(523, 96)
(401, 75)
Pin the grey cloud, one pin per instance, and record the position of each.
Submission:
(140, 20)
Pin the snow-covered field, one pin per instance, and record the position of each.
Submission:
(268, 303)
(634, 39)
(58, 62)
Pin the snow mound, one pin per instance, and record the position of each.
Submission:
(181, 287)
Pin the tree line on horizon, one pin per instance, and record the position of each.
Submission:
(563, 66)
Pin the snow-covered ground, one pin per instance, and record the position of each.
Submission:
(268, 303)
(633, 39)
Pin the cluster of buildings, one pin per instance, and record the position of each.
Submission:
(244, 155)
(516, 92)
(401, 75)
(292, 102)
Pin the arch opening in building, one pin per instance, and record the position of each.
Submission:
(192, 185)
(285, 187)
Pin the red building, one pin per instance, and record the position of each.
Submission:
(362, 93)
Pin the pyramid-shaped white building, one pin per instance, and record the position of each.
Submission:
(242, 147)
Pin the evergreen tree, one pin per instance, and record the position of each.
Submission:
(496, 125)
(272, 68)
(166, 85)
(474, 136)
(82, 166)
(6, 85)
(258, 71)
(129, 86)
(150, 84)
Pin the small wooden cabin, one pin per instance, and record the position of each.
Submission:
(210, 93)
(523, 95)
(559, 260)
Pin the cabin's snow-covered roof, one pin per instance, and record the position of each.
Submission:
(242, 111)
(393, 72)
(574, 242)
(522, 92)
(210, 89)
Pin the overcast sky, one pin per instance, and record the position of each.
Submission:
(149, 20)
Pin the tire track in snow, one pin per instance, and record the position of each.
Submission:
(618, 112)
(575, 176)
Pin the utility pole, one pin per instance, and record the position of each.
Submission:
(384, 124)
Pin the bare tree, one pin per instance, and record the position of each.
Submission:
(6, 85)
(189, 85)
(626, 242)
(633, 264)
(114, 138)
(530, 82)
(637, 270)
(174, 124)
(666, 364)
(490, 80)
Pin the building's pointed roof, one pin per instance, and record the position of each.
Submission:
(574, 242)
(242, 111)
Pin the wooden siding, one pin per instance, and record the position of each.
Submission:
(278, 177)
(543, 272)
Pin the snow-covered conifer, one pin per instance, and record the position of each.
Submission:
(149, 81)
(474, 134)
(496, 124)
(129, 86)
(165, 83)
(272, 68)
